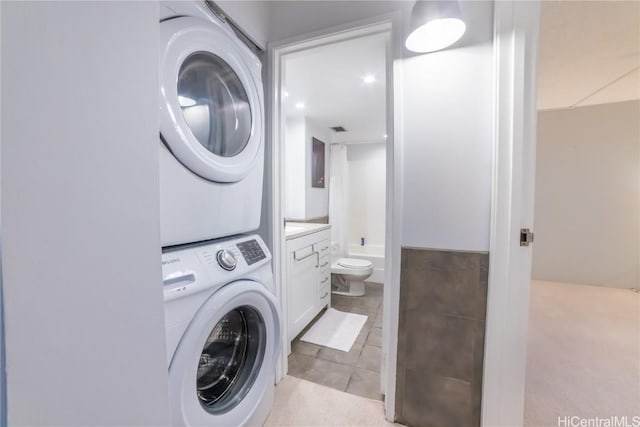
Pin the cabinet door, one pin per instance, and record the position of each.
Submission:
(301, 285)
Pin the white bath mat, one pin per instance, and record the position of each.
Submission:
(336, 329)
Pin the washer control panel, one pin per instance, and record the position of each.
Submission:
(189, 269)
(251, 251)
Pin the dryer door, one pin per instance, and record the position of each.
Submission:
(225, 361)
(211, 112)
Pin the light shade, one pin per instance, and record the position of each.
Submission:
(435, 25)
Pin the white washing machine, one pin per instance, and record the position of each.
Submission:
(223, 332)
(211, 127)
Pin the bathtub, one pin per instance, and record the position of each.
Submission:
(374, 254)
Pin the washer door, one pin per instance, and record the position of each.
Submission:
(226, 359)
(211, 111)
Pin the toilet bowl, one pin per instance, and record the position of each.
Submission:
(348, 276)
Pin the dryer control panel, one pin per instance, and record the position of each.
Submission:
(251, 251)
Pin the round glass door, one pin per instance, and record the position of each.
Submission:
(230, 359)
(211, 100)
(214, 104)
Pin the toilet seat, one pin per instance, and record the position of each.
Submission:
(354, 263)
(352, 266)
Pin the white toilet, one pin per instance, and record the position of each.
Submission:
(348, 275)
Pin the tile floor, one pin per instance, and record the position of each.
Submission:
(357, 371)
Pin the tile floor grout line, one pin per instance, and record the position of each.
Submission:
(350, 378)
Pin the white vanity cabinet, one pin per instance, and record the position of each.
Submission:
(308, 276)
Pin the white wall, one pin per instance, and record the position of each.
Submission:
(303, 202)
(367, 189)
(84, 314)
(3, 400)
(587, 211)
(317, 198)
(295, 168)
(447, 127)
(293, 18)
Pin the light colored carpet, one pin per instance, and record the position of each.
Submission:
(303, 403)
(583, 353)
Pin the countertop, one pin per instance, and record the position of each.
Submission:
(293, 230)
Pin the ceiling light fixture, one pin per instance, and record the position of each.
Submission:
(369, 78)
(285, 94)
(435, 25)
(300, 105)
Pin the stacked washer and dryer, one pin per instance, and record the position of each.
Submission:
(222, 316)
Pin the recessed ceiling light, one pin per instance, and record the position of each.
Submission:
(300, 105)
(369, 78)
(384, 136)
(285, 94)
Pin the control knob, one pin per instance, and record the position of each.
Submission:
(226, 259)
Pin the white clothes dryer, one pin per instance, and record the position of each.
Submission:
(211, 128)
(223, 332)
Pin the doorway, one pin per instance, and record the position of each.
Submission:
(516, 48)
(362, 145)
(583, 357)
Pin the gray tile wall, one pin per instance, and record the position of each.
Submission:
(443, 301)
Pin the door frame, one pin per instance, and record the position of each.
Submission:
(390, 24)
(516, 28)
(515, 55)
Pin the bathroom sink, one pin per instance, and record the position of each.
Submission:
(296, 229)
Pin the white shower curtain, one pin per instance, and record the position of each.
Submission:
(339, 199)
